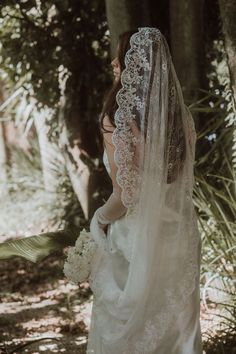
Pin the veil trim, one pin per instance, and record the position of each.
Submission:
(127, 100)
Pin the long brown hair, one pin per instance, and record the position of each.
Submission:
(110, 105)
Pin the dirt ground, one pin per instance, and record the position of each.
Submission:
(41, 312)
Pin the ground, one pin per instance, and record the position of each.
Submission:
(37, 302)
(41, 312)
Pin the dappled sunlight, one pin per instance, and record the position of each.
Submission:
(56, 82)
(49, 315)
(211, 321)
(16, 307)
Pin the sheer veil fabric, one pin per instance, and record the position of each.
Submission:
(154, 143)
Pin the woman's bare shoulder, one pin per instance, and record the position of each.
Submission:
(107, 122)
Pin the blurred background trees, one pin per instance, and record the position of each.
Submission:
(57, 52)
(55, 70)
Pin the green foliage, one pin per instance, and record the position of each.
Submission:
(217, 215)
(215, 201)
(215, 194)
(36, 248)
(46, 38)
(28, 208)
(60, 48)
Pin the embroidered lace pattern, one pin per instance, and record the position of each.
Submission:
(129, 103)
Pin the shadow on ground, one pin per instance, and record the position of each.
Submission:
(40, 312)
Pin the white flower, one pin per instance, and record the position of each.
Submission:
(79, 258)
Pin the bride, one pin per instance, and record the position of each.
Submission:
(145, 274)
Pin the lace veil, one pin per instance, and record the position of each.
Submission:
(154, 143)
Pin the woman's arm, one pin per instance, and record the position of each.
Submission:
(113, 208)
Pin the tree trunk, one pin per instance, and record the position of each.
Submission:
(3, 162)
(51, 158)
(62, 158)
(125, 15)
(228, 15)
(160, 16)
(77, 151)
(187, 45)
(78, 171)
(88, 181)
(3, 155)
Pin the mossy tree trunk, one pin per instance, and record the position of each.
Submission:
(187, 45)
(3, 153)
(125, 15)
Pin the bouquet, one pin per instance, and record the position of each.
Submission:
(77, 266)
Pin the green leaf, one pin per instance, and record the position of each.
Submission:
(37, 247)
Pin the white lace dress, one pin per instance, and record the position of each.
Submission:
(107, 281)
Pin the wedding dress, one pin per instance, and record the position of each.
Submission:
(111, 275)
(145, 274)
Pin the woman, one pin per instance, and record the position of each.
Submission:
(145, 275)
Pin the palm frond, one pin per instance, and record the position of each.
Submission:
(37, 247)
